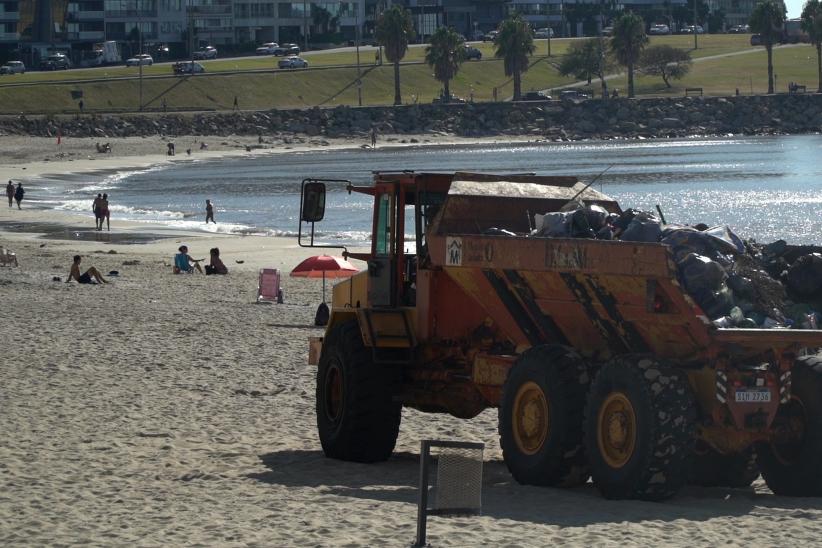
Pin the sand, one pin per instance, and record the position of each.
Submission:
(164, 410)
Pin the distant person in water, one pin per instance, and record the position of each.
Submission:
(10, 192)
(216, 265)
(104, 213)
(18, 194)
(210, 212)
(87, 276)
(95, 207)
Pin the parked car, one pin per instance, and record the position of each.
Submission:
(739, 29)
(472, 53)
(477, 35)
(452, 100)
(756, 39)
(267, 49)
(13, 67)
(659, 29)
(287, 49)
(535, 96)
(607, 31)
(572, 95)
(206, 52)
(544, 33)
(292, 61)
(689, 29)
(140, 59)
(187, 67)
(491, 36)
(55, 61)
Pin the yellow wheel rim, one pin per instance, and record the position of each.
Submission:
(531, 418)
(616, 430)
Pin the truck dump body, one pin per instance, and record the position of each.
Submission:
(597, 345)
(603, 298)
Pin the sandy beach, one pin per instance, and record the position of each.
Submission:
(163, 410)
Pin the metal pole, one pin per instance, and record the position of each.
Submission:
(548, 23)
(696, 44)
(139, 57)
(357, 39)
(422, 505)
(305, 27)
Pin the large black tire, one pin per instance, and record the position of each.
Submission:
(357, 417)
(639, 424)
(540, 418)
(710, 468)
(792, 467)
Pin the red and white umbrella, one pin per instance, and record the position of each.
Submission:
(324, 266)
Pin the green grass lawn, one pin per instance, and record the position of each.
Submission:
(335, 86)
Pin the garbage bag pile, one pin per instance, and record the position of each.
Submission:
(737, 283)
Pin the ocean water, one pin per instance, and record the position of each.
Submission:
(762, 187)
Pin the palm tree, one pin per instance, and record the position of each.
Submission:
(812, 24)
(445, 55)
(395, 29)
(627, 43)
(514, 44)
(767, 20)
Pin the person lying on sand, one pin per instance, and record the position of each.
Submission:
(183, 262)
(86, 277)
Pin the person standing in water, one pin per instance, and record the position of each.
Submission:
(95, 207)
(18, 194)
(10, 192)
(210, 212)
(104, 212)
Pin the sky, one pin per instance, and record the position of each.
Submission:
(794, 8)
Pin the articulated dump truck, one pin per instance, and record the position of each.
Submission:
(599, 362)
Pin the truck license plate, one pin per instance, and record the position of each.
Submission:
(753, 395)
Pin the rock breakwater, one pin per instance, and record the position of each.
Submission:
(592, 119)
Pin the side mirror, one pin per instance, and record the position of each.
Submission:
(313, 202)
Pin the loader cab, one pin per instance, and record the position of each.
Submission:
(404, 207)
(405, 204)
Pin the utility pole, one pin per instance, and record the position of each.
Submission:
(357, 41)
(305, 27)
(548, 24)
(696, 44)
(140, 56)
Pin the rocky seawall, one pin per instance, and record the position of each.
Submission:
(593, 119)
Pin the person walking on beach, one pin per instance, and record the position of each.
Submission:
(373, 137)
(18, 194)
(104, 213)
(10, 192)
(95, 207)
(210, 212)
(87, 276)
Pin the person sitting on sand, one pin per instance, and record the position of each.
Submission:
(91, 275)
(216, 266)
(183, 262)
